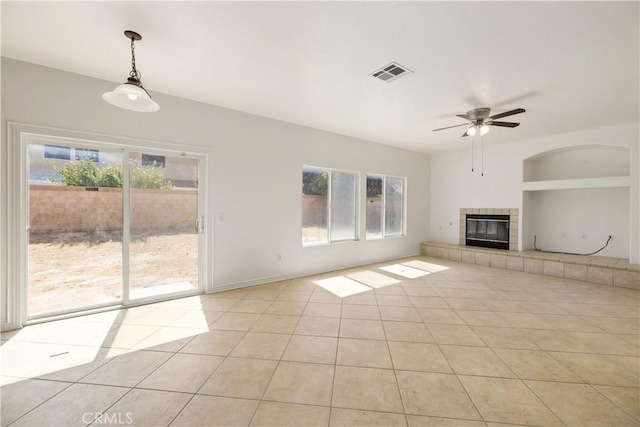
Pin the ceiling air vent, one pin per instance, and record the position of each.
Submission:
(391, 72)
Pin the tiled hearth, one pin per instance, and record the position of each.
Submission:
(594, 269)
(513, 222)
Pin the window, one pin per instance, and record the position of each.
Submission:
(385, 206)
(83, 153)
(55, 152)
(150, 160)
(328, 205)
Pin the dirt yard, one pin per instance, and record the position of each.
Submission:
(314, 235)
(68, 270)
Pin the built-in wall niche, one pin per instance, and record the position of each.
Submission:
(581, 162)
(575, 197)
(578, 221)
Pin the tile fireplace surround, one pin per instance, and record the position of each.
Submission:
(513, 222)
(594, 269)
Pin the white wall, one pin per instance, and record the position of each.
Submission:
(257, 164)
(586, 217)
(453, 186)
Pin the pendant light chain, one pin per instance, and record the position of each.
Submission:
(134, 72)
(131, 95)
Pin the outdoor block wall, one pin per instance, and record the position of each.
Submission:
(314, 211)
(62, 209)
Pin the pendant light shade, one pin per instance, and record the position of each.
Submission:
(132, 95)
(484, 129)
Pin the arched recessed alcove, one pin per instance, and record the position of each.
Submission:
(578, 162)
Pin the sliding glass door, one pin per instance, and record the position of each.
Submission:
(75, 227)
(110, 225)
(165, 224)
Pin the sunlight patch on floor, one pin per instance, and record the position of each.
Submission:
(373, 279)
(342, 286)
(426, 266)
(152, 291)
(404, 271)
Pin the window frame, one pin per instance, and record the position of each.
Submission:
(383, 208)
(356, 201)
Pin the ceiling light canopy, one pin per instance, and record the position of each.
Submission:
(132, 95)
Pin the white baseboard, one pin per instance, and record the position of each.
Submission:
(261, 281)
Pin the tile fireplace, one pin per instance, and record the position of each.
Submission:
(487, 231)
(489, 227)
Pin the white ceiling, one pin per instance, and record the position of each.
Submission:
(571, 65)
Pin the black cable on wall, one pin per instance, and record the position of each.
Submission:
(535, 238)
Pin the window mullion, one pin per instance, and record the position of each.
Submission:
(384, 206)
(329, 205)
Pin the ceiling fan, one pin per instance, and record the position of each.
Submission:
(479, 120)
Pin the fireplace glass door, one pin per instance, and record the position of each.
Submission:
(489, 231)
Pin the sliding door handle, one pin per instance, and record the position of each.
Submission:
(200, 225)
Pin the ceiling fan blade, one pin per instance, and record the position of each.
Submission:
(449, 127)
(508, 113)
(465, 133)
(504, 124)
(465, 116)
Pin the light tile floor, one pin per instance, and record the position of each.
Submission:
(455, 344)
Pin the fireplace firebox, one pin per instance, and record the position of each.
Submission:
(488, 231)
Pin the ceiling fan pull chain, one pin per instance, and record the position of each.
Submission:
(472, 138)
(482, 156)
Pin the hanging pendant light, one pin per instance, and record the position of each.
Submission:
(132, 95)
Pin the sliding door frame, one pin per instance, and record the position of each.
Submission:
(17, 216)
(126, 226)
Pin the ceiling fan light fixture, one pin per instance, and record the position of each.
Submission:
(132, 95)
(472, 131)
(484, 129)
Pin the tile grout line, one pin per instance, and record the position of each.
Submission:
(466, 392)
(395, 374)
(335, 365)
(281, 355)
(196, 393)
(42, 403)
(635, 417)
(542, 401)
